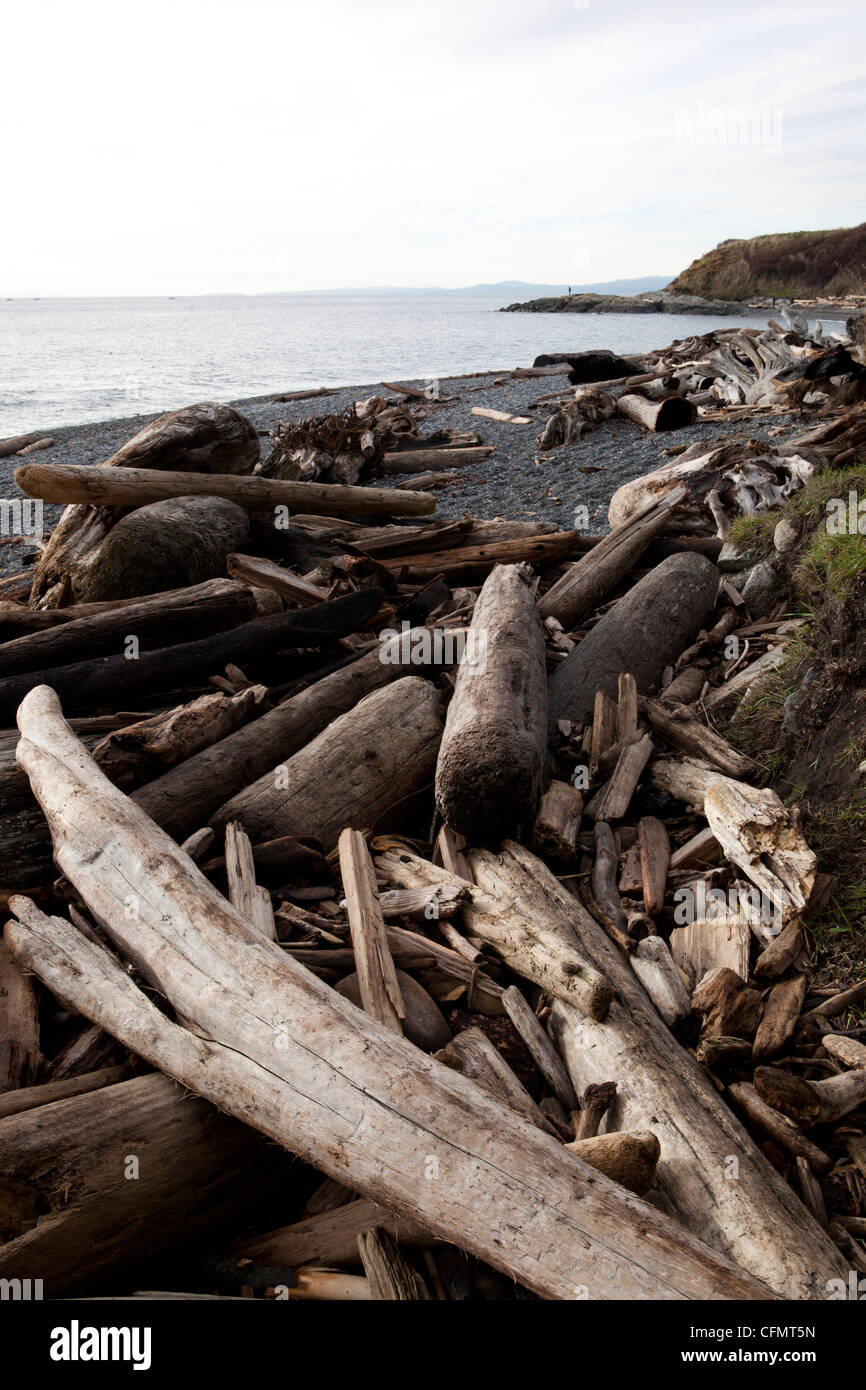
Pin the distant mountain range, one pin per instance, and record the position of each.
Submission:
(507, 289)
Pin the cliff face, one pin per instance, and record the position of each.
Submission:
(792, 265)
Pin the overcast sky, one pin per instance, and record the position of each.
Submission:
(207, 146)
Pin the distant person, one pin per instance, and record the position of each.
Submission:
(569, 289)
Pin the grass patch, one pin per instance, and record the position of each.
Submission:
(831, 565)
(754, 532)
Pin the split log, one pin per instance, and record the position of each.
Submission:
(542, 949)
(20, 1057)
(629, 1159)
(342, 1092)
(544, 1054)
(423, 905)
(330, 1237)
(778, 1127)
(251, 900)
(483, 994)
(591, 578)
(603, 737)
(810, 1103)
(671, 413)
(781, 953)
(642, 634)
(757, 833)
(655, 857)
(781, 1012)
(489, 770)
(88, 684)
(133, 755)
(390, 1277)
(614, 799)
(679, 727)
(197, 1172)
(187, 795)
(661, 1088)
(324, 784)
(156, 621)
(710, 943)
(702, 848)
(557, 824)
(264, 574)
(654, 967)
(378, 985)
(137, 487)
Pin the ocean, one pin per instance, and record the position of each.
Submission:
(73, 361)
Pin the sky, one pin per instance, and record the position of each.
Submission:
(251, 146)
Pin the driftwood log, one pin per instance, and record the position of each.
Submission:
(488, 776)
(285, 1053)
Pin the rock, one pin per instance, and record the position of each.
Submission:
(762, 587)
(734, 560)
(642, 634)
(424, 1025)
(166, 545)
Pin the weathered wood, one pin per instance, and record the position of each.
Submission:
(474, 1055)
(182, 798)
(655, 857)
(671, 413)
(476, 559)
(132, 755)
(781, 953)
(324, 784)
(679, 726)
(810, 1103)
(251, 900)
(157, 621)
(642, 634)
(390, 1276)
(377, 979)
(87, 684)
(614, 799)
(629, 1159)
(31, 1097)
(702, 848)
(626, 707)
(341, 1091)
(544, 1054)
(845, 1050)
(777, 1127)
(685, 778)
(603, 879)
(781, 1012)
(557, 824)
(422, 1022)
(654, 967)
(541, 949)
(137, 487)
(595, 1102)
(197, 1172)
(490, 765)
(330, 1236)
(711, 942)
(604, 713)
(662, 1089)
(591, 578)
(729, 1007)
(267, 575)
(760, 836)
(414, 460)
(20, 1057)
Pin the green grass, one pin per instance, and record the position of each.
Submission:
(754, 532)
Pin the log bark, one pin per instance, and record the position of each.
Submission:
(628, 1159)
(655, 857)
(390, 1277)
(137, 487)
(477, 559)
(31, 1097)
(340, 1091)
(20, 1057)
(778, 1127)
(88, 684)
(326, 784)
(642, 634)
(489, 770)
(591, 578)
(756, 1220)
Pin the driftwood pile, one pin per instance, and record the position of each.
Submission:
(407, 847)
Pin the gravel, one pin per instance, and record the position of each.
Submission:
(518, 482)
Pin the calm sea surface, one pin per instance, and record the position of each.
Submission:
(68, 361)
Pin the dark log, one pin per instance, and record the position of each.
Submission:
(88, 684)
(642, 634)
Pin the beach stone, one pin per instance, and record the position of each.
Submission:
(642, 634)
(166, 545)
(762, 586)
(424, 1024)
(733, 560)
(785, 536)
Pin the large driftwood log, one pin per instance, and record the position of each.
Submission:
(756, 1220)
(671, 413)
(88, 684)
(285, 1053)
(196, 1171)
(586, 583)
(204, 438)
(135, 487)
(488, 776)
(187, 795)
(476, 559)
(352, 773)
(642, 634)
(176, 615)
